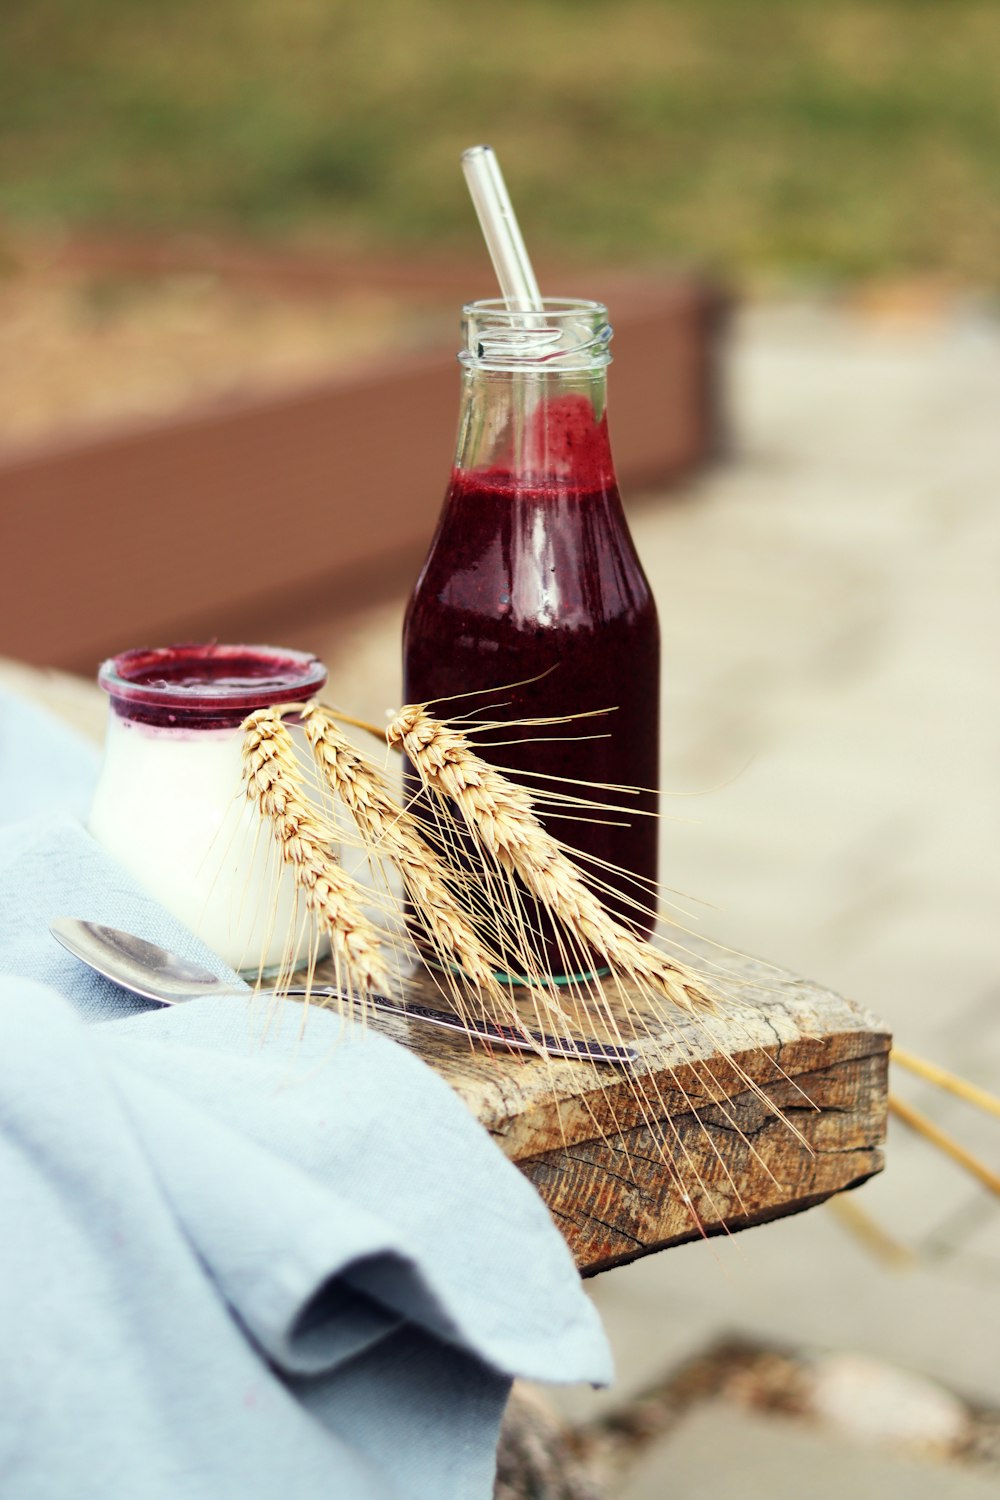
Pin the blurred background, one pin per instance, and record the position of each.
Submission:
(824, 141)
(234, 240)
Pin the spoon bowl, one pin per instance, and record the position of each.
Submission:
(136, 964)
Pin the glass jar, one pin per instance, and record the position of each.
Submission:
(169, 803)
(533, 589)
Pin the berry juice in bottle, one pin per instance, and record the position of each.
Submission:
(532, 594)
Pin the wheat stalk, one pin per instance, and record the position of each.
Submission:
(274, 783)
(387, 830)
(517, 856)
(500, 818)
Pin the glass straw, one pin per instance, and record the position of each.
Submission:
(500, 230)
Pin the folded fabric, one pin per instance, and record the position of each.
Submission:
(245, 1252)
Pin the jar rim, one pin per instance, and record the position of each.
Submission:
(199, 680)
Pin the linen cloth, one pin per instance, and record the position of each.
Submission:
(240, 1257)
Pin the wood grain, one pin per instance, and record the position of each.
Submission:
(760, 1112)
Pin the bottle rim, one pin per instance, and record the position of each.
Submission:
(551, 307)
(564, 334)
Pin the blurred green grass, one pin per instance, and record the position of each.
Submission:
(761, 138)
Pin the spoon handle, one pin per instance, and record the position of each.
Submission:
(483, 1030)
(144, 968)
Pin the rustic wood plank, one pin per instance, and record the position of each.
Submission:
(761, 1112)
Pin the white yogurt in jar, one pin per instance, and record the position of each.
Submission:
(169, 803)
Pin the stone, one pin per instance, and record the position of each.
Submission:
(871, 1401)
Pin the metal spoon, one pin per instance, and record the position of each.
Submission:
(146, 969)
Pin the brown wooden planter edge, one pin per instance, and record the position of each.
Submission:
(233, 518)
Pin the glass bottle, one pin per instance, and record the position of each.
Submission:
(532, 589)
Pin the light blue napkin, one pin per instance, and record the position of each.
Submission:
(240, 1257)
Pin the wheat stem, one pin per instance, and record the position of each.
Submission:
(340, 717)
(274, 783)
(386, 829)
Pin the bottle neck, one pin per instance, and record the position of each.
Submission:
(534, 429)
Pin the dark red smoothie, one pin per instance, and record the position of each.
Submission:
(533, 575)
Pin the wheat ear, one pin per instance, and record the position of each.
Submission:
(274, 783)
(386, 829)
(500, 818)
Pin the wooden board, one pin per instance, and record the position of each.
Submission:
(764, 1111)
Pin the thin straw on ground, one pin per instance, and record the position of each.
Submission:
(919, 1122)
(950, 1082)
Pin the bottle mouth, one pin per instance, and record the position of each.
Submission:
(205, 685)
(565, 334)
